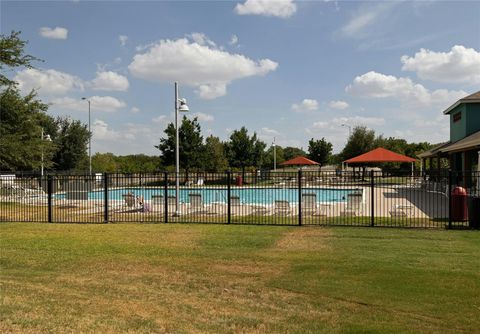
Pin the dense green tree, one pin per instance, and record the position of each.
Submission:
(320, 150)
(269, 159)
(292, 152)
(360, 141)
(133, 163)
(12, 55)
(24, 118)
(191, 145)
(71, 140)
(21, 120)
(137, 163)
(215, 158)
(104, 162)
(244, 151)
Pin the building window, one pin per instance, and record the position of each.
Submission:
(457, 117)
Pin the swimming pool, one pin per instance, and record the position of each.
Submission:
(247, 195)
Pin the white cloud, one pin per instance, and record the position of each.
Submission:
(277, 8)
(135, 110)
(365, 17)
(123, 39)
(269, 131)
(102, 131)
(203, 117)
(339, 105)
(111, 81)
(47, 82)
(162, 119)
(211, 91)
(233, 40)
(378, 85)
(54, 33)
(460, 65)
(205, 67)
(201, 39)
(306, 104)
(97, 103)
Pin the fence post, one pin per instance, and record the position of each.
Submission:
(105, 198)
(299, 197)
(372, 198)
(449, 199)
(49, 197)
(165, 196)
(229, 207)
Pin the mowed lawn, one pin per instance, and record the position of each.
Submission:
(237, 279)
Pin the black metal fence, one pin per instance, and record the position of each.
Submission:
(396, 199)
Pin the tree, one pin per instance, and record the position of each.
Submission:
(191, 144)
(319, 150)
(268, 161)
(292, 152)
(215, 159)
(104, 162)
(21, 122)
(71, 141)
(360, 141)
(12, 55)
(244, 151)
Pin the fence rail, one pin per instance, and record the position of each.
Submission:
(395, 199)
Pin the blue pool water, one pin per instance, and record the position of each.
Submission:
(247, 195)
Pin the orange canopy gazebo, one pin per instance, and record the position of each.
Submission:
(299, 161)
(380, 155)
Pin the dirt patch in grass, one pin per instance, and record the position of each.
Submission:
(308, 239)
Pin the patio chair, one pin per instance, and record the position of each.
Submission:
(158, 203)
(236, 207)
(196, 204)
(354, 205)
(132, 202)
(309, 205)
(282, 208)
(401, 210)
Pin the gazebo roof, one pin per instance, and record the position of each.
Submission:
(299, 161)
(380, 155)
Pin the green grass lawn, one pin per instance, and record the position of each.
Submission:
(237, 279)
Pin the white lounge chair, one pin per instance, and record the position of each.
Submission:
(282, 208)
(158, 203)
(196, 204)
(401, 210)
(132, 203)
(236, 207)
(354, 205)
(310, 207)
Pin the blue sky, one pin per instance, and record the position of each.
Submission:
(292, 70)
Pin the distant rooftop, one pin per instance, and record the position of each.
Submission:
(472, 98)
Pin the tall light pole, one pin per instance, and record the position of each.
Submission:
(274, 155)
(89, 139)
(349, 129)
(180, 105)
(44, 138)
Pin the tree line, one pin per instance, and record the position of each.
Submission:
(24, 120)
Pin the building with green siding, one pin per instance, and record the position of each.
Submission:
(463, 149)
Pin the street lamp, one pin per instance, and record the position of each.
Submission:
(349, 129)
(44, 137)
(274, 155)
(89, 139)
(180, 105)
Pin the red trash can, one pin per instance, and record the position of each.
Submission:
(459, 204)
(239, 181)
